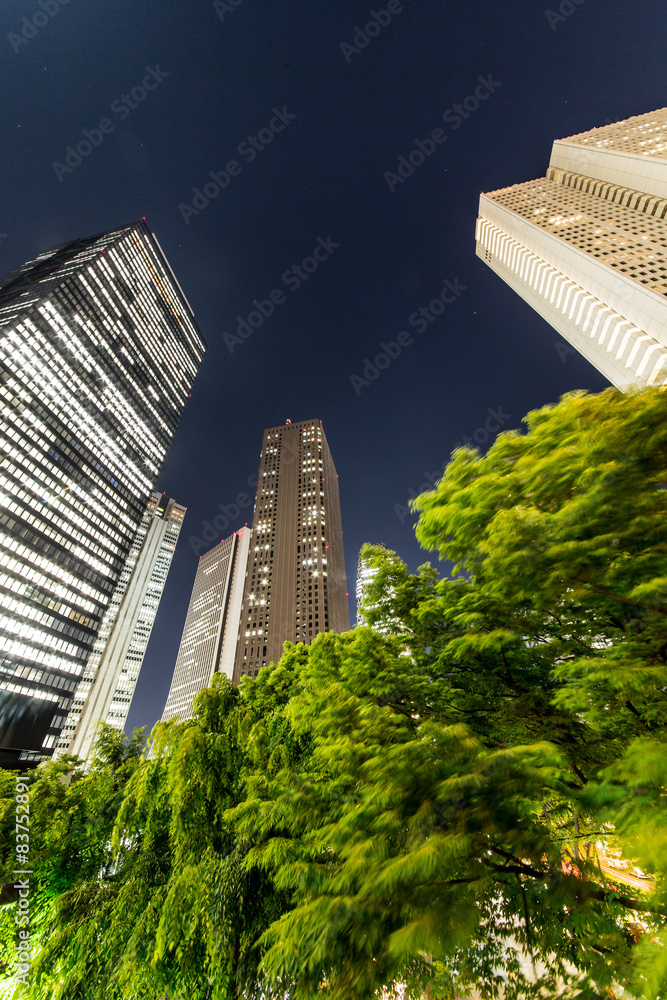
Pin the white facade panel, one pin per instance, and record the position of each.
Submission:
(232, 622)
(586, 246)
(639, 303)
(631, 153)
(629, 170)
(605, 336)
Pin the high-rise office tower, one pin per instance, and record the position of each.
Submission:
(107, 686)
(586, 245)
(365, 574)
(282, 580)
(210, 634)
(385, 621)
(98, 352)
(295, 584)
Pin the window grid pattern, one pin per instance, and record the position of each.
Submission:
(620, 237)
(203, 632)
(638, 200)
(643, 135)
(98, 352)
(311, 612)
(120, 647)
(634, 348)
(297, 513)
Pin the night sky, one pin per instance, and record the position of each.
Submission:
(302, 130)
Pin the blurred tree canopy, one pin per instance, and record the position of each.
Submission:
(441, 807)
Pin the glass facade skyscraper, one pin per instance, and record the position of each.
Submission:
(107, 686)
(586, 245)
(98, 352)
(211, 629)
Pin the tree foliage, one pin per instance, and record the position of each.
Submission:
(435, 807)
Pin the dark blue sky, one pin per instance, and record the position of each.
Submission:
(329, 123)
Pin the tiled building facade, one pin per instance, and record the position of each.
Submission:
(281, 580)
(296, 583)
(586, 245)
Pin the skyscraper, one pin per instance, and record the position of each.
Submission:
(107, 686)
(385, 621)
(211, 628)
(295, 584)
(586, 245)
(365, 574)
(282, 580)
(98, 350)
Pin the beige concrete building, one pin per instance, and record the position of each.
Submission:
(586, 245)
(281, 580)
(295, 584)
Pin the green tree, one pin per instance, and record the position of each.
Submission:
(418, 807)
(72, 815)
(144, 889)
(463, 769)
(568, 522)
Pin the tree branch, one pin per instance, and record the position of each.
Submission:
(508, 675)
(617, 597)
(587, 890)
(385, 703)
(635, 711)
(580, 774)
